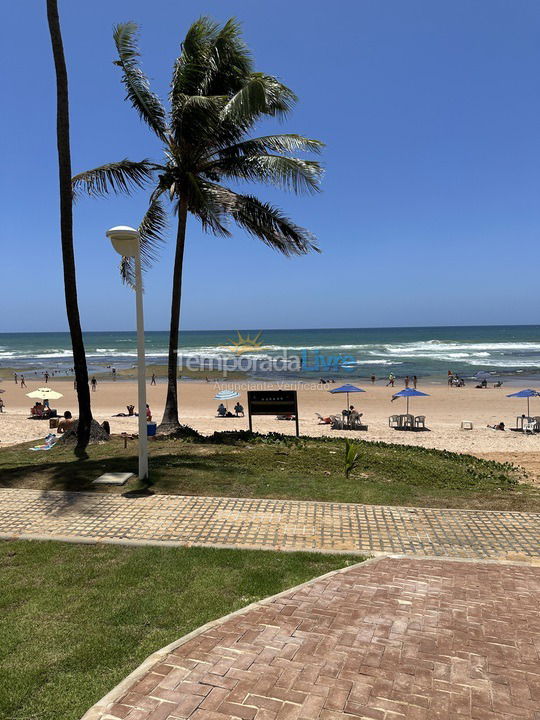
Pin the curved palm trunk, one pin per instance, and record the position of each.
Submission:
(170, 416)
(66, 227)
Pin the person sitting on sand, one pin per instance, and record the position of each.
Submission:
(239, 410)
(37, 410)
(130, 409)
(222, 410)
(499, 426)
(65, 423)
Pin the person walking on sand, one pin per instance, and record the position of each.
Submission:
(23, 384)
(373, 378)
(391, 380)
(414, 381)
(153, 380)
(15, 376)
(93, 382)
(46, 376)
(406, 381)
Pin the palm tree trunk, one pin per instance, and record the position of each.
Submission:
(170, 421)
(66, 227)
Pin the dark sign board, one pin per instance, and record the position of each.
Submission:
(273, 402)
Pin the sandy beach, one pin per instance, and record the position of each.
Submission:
(444, 409)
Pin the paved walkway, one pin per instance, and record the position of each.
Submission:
(388, 640)
(269, 524)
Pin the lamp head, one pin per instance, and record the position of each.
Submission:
(124, 239)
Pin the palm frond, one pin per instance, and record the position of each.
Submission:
(288, 173)
(269, 224)
(263, 221)
(260, 95)
(206, 204)
(119, 177)
(283, 143)
(147, 103)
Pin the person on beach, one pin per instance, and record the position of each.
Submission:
(130, 409)
(153, 380)
(1, 405)
(222, 410)
(15, 376)
(373, 378)
(498, 426)
(23, 384)
(46, 376)
(65, 423)
(406, 381)
(239, 410)
(148, 413)
(414, 380)
(391, 380)
(93, 382)
(113, 374)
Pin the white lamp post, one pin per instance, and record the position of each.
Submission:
(125, 240)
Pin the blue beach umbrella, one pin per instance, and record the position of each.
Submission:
(347, 389)
(226, 395)
(526, 394)
(409, 392)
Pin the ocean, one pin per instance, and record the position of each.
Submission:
(505, 351)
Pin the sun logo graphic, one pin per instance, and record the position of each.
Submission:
(246, 343)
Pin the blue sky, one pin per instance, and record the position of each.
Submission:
(430, 207)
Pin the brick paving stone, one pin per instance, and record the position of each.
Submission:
(271, 524)
(391, 639)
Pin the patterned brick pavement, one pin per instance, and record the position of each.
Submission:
(391, 639)
(270, 524)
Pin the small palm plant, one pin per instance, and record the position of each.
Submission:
(352, 457)
(216, 98)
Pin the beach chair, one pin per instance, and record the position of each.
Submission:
(529, 427)
(420, 421)
(536, 418)
(406, 421)
(393, 421)
(337, 422)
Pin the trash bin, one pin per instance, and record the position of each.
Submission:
(151, 429)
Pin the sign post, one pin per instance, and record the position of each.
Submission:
(273, 402)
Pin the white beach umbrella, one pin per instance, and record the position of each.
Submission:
(44, 393)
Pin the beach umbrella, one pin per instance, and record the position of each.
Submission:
(347, 389)
(526, 394)
(226, 395)
(45, 393)
(409, 392)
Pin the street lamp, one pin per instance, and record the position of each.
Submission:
(126, 241)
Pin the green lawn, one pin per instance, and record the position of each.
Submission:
(76, 619)
(309, 469)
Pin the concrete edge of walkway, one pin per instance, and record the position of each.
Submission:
(94, 495)
(128, 542)
(98, 710)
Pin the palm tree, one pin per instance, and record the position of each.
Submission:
(66, 228)
(215, 99)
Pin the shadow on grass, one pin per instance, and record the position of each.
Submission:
(165, 471)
